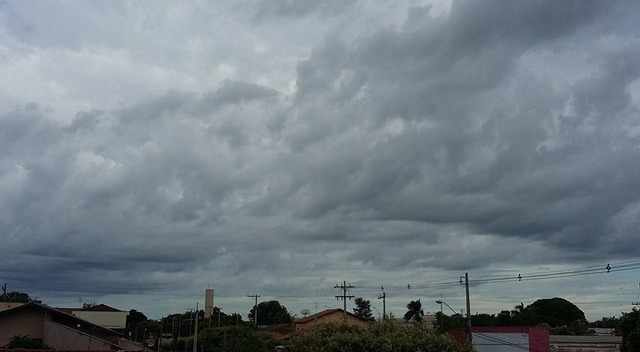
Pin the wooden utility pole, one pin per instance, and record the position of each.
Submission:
(255, 309)
(344, 287)
(383, 297)
(195, 335)
(466, 282)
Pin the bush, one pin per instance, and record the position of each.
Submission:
(233, 339)
(381, 337)
(25, 342)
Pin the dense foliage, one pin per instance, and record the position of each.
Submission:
(630, 327)
(363, 308)
(557, 313)
(25, 342)
(414, 311)
(380, 337)
(17, 297)
(240, 338)
(271, 312)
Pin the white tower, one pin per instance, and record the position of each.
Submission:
(208, 303)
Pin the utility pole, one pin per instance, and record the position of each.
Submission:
(173, 334)
(255, 309)
(195, 335)
(470, 334)
(383, 297)
(344, 287)
(160, 335)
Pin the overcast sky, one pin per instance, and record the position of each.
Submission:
(152, 149)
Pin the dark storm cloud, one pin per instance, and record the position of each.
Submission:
(445, 142)
(482, 156)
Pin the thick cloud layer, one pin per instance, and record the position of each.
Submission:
(149, 151)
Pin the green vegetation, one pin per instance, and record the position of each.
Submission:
(26, 342)
(17, 297)
(271, 312)
(562, 316)
(233, 339)
(380, 337)
(363, 308)
(414, 311)
(630, 328)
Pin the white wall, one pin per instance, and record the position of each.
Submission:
(64, 338)
(109, 320)
(500, 342)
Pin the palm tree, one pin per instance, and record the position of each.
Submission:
(414, 310)
(519, 308)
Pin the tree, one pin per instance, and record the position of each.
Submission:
(606, 322)
(136, 324)
(630, 327)
(483, 319)
(414, 311)
(233, 338)
(504, 318)
(386, 336)
(363, 308)
(553, 311)
(17, 297)
(25, 342)
(444, 322)
(271, 312)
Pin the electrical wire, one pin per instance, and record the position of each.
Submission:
(534, 276)
(498, 342)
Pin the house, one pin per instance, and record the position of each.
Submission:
(328, 316)
(280, 332)
(60, 330)
(101, 314)
(571, 343)
(9, 305)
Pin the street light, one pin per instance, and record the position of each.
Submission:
(376, 309)
(441, 302)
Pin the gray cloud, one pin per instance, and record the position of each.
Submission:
(492, 136)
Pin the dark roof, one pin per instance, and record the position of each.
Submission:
(568, 339)
(101, 308)
(279, 331)
(57, 312)
(96, 308)
(281, 328)
(325, 313)
(67, 310)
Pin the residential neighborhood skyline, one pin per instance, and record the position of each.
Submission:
(279, 148)
(397, 296)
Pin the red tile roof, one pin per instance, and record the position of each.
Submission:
(325, 313)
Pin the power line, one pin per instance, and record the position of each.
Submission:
(534, 276)
(499, 342)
